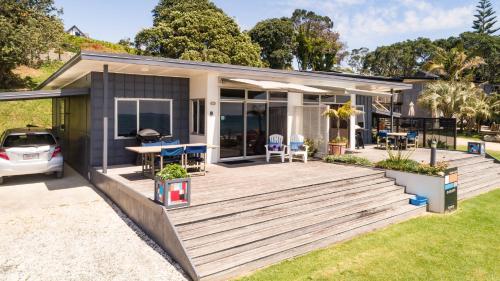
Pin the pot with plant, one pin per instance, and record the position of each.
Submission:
(337, 146)
(173, 187)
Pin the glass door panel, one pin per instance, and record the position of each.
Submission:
(278, 119)
(231, 129)
(256, 132)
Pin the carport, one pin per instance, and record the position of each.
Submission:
(67, 114)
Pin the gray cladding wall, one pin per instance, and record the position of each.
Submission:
(134, 86)
(412, 95)
(367, 102)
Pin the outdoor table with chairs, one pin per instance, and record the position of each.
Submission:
(400, 140)
(155, 155)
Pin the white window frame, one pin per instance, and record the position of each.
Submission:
(361, 107)
(137, 101)
(191, 126)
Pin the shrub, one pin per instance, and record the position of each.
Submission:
(348, 159)
(313, 148)
(408, 165)
(172, 171)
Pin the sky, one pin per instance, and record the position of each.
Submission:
(361, 23)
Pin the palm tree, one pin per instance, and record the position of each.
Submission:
(342, 113)
(476, 107)
(443, 98)
(452, 64)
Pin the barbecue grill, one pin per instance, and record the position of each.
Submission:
(148, 136)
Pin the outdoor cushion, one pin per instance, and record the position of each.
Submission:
(296, 146)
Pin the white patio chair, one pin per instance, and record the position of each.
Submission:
(275, 147)
(297, 147)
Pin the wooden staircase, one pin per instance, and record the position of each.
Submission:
(476, 175)
(230, 238)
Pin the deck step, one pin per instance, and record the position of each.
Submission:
(297, 245)
(468, 161)
(476, 189)
(491, 171)
(239, 240)
(221, 209)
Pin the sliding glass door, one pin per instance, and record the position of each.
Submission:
(231, 129)
(256, 129)
(247, 118)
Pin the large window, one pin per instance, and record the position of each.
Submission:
(133, 115)
(198, 117)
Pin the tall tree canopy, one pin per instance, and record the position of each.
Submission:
(318, 47)
(357, 59)
(196, 30)
(276, 38)
(399, 59)
(28, 28)
(453, 64)
(485, 18)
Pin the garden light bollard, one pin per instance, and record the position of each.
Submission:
(433, 153)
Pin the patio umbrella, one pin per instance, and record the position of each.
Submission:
(411, 111)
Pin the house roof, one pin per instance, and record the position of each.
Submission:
(421, 75)
(87, 61)
(78, 29)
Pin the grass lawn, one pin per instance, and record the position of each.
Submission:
(464, 245)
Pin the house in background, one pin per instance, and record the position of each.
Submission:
(75, 31)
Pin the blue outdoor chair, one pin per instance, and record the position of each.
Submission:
(196, 158)
(382, 139)
(412, 139)
(171, 156)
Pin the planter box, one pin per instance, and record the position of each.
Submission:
(440, 191)
(336, 148)
(173, 193)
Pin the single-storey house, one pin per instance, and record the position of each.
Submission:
(101, 101)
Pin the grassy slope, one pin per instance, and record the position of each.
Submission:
(464, 245)
(39, 112)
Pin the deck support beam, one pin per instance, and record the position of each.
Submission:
(105, 79)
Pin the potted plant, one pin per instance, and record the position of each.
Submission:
(338, 145)
(173, 187)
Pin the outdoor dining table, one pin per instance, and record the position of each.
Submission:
(152, 151)
(398, 137)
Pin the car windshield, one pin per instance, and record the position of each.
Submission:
(28, 140)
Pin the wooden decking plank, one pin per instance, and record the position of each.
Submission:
(245, 234)
(220, 211)
(204, 212)
(259, 215)
(292, 242)
(301, 227)
(267, 261)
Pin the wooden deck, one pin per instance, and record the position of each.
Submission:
(225, 182)
(247, 216)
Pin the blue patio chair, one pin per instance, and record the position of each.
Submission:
(297, 147)
(171, 156)
(170, 142)
(412, 139)
(275, 147)
(156, 143)
(382, 139)
(196, 158)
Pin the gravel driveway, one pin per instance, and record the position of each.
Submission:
(64, 230)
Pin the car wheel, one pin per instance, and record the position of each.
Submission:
(1, 180)
(59, 174)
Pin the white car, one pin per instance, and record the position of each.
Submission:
(30, 150)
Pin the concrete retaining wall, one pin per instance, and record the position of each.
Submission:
(151, 217)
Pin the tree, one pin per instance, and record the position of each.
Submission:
(485, 18)
(453, 64)
(275, 36)
(443, 98)
(342, 113)
(401, 59)
(357, 59)
(318, 47)
(196, 30)
(127, 44)
(28, 29)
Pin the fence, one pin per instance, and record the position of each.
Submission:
(442, 130)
